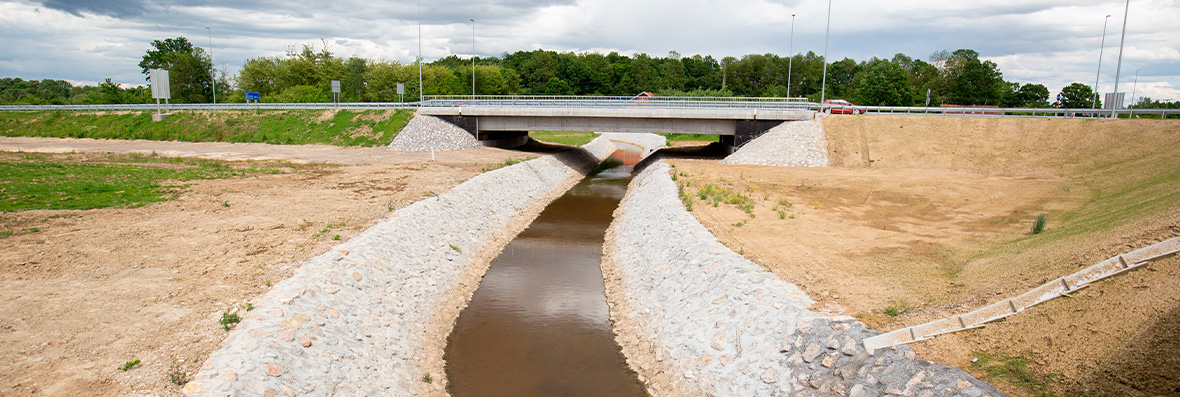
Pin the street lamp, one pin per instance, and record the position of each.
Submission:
(472, 58)
(212, 69)
(1100, 48)
(1134, 89)
(791, 63)
(1118, 69)
(823, 92)
(420, 52)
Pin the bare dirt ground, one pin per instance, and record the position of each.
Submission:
(94, 289)
(930, 217)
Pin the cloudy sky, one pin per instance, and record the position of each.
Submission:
(1052, 42)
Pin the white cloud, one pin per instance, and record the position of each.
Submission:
(1053, 42)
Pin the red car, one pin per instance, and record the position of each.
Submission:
(833, 106)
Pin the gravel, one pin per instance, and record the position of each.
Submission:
(426, 133)
(695, 318)
(791, 144)
(371, 316)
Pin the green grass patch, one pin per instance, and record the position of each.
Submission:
(128, 365)
(1013, 370)
(564, 137)
(284, 127)
(693, 137)
(78, 182)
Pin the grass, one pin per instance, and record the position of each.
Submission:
(605, 165)
(693, 137)
(32, 181)
(571, 138)
(895, 309)
(128, 365)
(1013, 370)
(426, 378)
(229, 320)
(453, 247)
(284, 127)
(1039, 224)
(176, 374)
(506, 163)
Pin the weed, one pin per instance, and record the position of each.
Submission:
(503, 164)
(336, 237)
(784, 203)
(605, 165)
(33, 229)
(176, 374)
(897, 308)
(815, 204)
(128, 365)
(6, 233)
(225, 204)
(229, 319)
(782, 214)
(455, 248)
(426, 378)
(389, 206)
(792, 216)
(1011, 369)
(1039, 224)
(249, 306)
(740, 223)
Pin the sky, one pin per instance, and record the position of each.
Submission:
(1049, 42)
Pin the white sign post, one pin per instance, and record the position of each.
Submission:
(401, 91)
(160, 90)
(336, 92)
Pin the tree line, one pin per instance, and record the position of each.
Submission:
(305, 74)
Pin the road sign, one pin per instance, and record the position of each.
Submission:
(336, 86)
(159, 78)
(253, 96)
(401, 89)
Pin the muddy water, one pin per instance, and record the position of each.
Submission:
(538, 325)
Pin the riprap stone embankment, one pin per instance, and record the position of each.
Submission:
(371, 316)
(791, 144)
(695, 318)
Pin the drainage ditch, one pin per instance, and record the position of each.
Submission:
(539, 323)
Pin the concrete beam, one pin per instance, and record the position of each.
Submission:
(607, 124)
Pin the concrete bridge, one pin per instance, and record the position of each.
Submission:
(506, 121)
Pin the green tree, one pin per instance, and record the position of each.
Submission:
(1077, 96)
(189, 69)
(884, 83)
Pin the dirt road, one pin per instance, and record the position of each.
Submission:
(91, 290)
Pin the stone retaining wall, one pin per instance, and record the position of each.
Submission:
(695, 318)
(371, 317)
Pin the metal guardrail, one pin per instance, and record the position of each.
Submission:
(1064, 285)
(622, 102)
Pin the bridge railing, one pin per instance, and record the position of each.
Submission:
(219, 106)
(615, 102)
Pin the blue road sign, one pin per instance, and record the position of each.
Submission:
(252, 96)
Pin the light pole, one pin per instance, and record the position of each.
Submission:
(823, 91)
(791, 53)
(1134, 89)
(420, 52)
(212, 69)
(1118, 69)
(472, 58)
(1100, 48)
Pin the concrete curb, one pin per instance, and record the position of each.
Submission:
(695, 318)
(371, 316)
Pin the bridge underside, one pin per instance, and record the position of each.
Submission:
(511, 131)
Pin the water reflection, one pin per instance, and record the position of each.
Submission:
(539, 323)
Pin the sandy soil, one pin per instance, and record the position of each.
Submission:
(930, 217)
(94, 289)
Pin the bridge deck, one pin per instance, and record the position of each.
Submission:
(631, 112)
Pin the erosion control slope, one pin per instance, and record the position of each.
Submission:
(695, 318)
(371, 316)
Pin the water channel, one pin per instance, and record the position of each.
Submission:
(539, 324)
